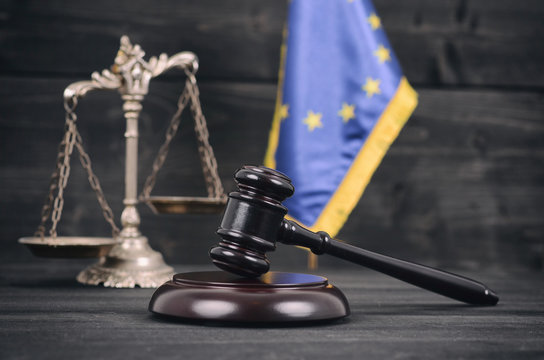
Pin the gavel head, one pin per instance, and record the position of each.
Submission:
(251, 221)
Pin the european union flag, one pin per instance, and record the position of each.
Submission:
(342, 100)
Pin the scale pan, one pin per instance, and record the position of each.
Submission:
(185, 204)
(69, 246)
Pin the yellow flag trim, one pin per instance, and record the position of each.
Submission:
(386, 130)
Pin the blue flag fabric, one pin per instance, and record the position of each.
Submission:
(342, 100)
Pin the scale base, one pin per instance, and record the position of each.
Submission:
(129, 264)
(275, 297)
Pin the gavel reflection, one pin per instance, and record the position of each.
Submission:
(254, 221)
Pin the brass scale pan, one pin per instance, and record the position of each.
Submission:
(69, 246)
(185, 204)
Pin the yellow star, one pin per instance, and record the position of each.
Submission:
(284, 111)
(383, 54)
(313, 120)
(347, 112)
(374, 21)
(372, 87)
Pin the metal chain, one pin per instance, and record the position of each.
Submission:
(64, 167)
(54, 204)
(207, 157)
(95, 185)
(163, 151)
(53, 184)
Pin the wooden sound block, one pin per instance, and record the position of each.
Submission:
(275, 297)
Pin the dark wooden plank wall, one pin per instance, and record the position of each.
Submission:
(463, 186)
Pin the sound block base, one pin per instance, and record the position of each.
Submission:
(275, 297)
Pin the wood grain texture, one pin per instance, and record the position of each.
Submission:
(454, 42)
(44, 313)
(467, 42)
(233, 39)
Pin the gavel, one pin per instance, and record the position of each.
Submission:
(254, 221)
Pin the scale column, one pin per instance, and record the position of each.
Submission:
(130, 218)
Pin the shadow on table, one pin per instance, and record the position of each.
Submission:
(230, 324)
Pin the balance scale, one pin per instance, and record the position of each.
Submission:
(126, 259)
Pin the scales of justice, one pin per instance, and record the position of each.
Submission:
(126, 259)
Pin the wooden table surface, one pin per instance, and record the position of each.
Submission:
(46, 314)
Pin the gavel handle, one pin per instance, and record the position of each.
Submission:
(438, 281)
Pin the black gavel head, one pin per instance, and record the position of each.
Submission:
(251, 221)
